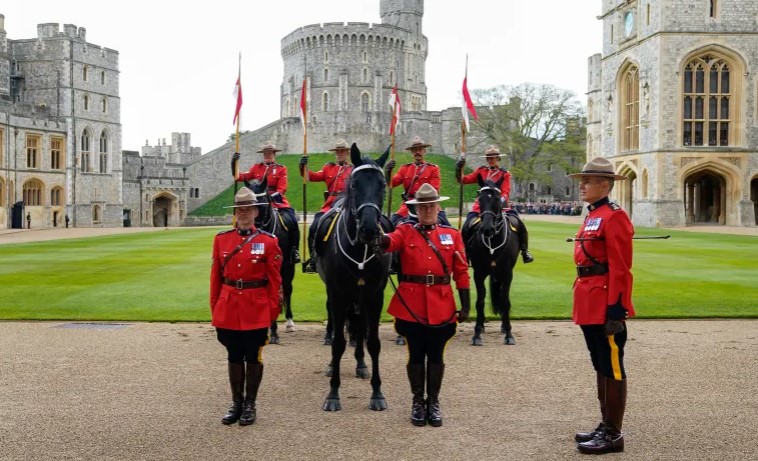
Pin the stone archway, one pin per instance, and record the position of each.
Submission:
(754, 197)
(162, 208)
(705, 198)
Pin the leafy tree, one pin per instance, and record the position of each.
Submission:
(534, 125)
(231, 137)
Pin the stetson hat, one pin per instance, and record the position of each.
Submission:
(598, 166)
(268, 146)
(492, 151)
(417, 142)
(245, 197)
(341, 144)
(426, 194)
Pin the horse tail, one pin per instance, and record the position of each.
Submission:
(495, 294)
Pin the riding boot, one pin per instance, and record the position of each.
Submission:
(295, 255)
(237, 384)
(254, 374)
(611, 440)
(434, 373)
(416, 376)
(587, 436)
(523, 237)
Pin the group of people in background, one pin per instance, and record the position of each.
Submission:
(246, 284)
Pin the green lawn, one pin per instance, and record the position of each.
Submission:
(163, 276)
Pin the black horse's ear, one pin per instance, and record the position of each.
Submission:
(248, 185)
(500, 182)
(480, 181)
(355, 155)
(263, 184)
(383, 158)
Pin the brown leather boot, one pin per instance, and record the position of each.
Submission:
(612, 439)
(254, 377)
(417, 376)
(587, 436)
(434, 374)
(237, 384)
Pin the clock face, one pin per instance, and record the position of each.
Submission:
(628, 23)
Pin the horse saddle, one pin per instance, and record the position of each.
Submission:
(325, 227)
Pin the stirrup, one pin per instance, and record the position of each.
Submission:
(309, 267)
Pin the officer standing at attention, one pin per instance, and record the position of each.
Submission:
(424, 307)
(603, 299)
(336, 176)
(245, 297)
(276, 184)
(494, 172)
(412, 176)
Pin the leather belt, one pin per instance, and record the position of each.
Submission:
(334, 194)
(428, 279)
(245, 284)
(595, 269)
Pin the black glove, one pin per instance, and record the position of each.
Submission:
(460, 163)
(616, 311)
(304, 160)
(464, 294)
(389, 166)
(277, 197)
(302, 164)
(613, 326)
(235, 157)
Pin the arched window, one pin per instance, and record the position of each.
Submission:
(326, 75)
(707, 110)
(392, 78)
(630, 108)
(365, 57)
(96, 214)
(86, 102)
(365, 102)
(103, 152)
(33, 193)
(85, 73)
(104, 105)
(102, 78)
(85, 148)
(365, 74)
(325, 101)
(326, 56)
(56, 196)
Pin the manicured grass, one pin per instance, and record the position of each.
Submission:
(163, 276)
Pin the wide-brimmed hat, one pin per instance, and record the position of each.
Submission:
(492, 151)
(268, 145)
(417, 142)
(245, 197)
(598, 166)
(426, 194)
(341, 144)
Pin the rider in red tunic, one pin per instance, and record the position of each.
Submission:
(276, 185)
(245, 285)
(424, 305)
(494, 172)
(336, 176)
(603, 299)
(412, 176)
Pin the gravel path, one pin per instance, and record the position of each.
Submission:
(71, 391)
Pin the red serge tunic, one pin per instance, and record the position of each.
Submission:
(432, 304)
(494, 175)
(335, 176)
(247, 308)
(610, 225)
(276, 180)
(412, 176)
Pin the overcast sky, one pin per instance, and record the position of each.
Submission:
(179, 64)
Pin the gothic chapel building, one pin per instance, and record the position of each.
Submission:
(673, 103)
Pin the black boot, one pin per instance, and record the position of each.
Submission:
(523, 238)
(254, 376)
(295, 255)
(434, 374)
(611, 440)
(237, 384)
(587, 436)
(416, 376)
(309, 267)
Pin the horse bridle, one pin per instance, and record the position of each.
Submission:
(499, 223)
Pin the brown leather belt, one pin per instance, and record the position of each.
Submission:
(334, 194)
(428, 279)
(245, 284)
(595, 269)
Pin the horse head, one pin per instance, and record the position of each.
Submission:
(259, 188)
(491, 207)
(365, 196)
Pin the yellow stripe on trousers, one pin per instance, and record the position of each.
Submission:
(615, 363)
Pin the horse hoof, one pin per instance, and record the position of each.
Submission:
(400, 341)
(509, 341)
(327, 341)
(477, 342)
(332, 405)
(274, 340)
(378, 404)
(290, 327)
(328, 371)
(362, 373)
(353, 343)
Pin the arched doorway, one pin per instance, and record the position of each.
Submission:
(754, 197)
(705, 198)
(162, 207)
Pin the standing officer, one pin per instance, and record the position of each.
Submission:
(245, 297)
(494, 172)
(424, 306)
(412, 176)
(276, 183)
(603, 299)
(335, 175)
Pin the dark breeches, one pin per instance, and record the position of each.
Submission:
(606, 351)
(243, 345)
(425, 342)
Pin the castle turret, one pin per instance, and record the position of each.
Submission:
(405, 14)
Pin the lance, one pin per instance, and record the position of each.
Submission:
(645, 237)
(392, 157)
(460, 186)
(304, 108)
(238, 116)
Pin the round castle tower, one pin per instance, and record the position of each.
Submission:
(350, 70)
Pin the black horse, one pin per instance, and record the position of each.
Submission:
(492, 246)
(354, 271)
(273, 222)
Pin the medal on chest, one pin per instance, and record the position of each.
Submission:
(593, 224)
(257, 249)
(446, 239)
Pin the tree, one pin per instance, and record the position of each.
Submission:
(535, 125)
(232, 136)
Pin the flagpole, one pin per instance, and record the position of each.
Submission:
(304, 106)
(237, 141)
(460, 185)
(392, 157)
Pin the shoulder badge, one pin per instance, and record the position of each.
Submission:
(227, 231)
(445, 226)
(614, 206)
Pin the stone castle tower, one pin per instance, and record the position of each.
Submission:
(672, 103)
(60, 130)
